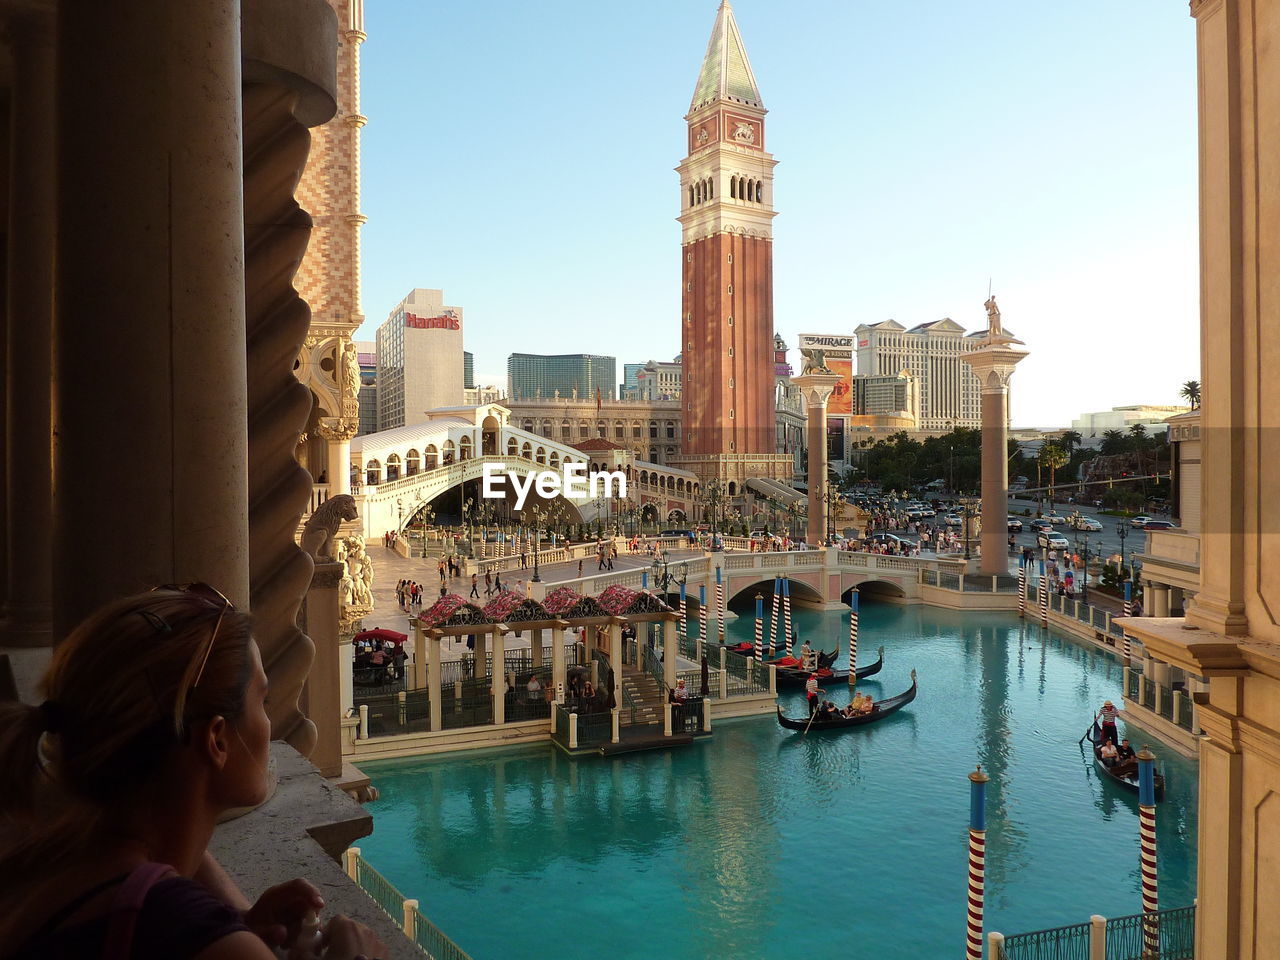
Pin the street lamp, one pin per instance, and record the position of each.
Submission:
(663, 577)
(712, 497)
(968, 510)
(468, 509)
(831, 496)
(1084, 562)
(1122, 530)
(540, 515)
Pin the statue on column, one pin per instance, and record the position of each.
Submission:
(815, 360)
(993, 316)
(350, 370)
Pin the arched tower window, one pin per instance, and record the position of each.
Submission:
(759, 191)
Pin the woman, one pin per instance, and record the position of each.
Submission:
(154, 725)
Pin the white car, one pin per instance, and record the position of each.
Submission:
(1086, 523)
(1139, 522)
(1055, 518)
(1053, 541)
(953, 520)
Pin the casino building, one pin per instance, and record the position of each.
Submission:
(420, 359)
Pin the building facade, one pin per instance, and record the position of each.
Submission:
(651, 430)
(949, 394)
(468, 370)
(1094, 425)
(659, 381)
(531, 376)
(367, 354)
(420, 363)
(726, 216)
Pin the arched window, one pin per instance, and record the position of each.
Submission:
(653, 454)
(527, 424)
(691, 195)
(464, 448)
(602, 429)
(513, 447)
(433, 456)
(733, 489)
(542, 455)
(733, 188)
(759, 191)
(711, 189)
(412, 463)
(555, 460)
(449, 451)
(373, 473)
(393, 467)
(566, 431)
(644, 477)
(526, 451)
(680, 484)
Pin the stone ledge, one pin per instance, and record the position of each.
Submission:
(297, 833)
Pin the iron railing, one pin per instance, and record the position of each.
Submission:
(1056, 943)
(1149, 695)
(687, 717)
(1131, 688)
(433, 941)
(379, 888)
(1176, 930)
(1185, 711)
(948, 581)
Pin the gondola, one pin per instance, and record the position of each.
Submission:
(1130, 783)
(879, 710)
(748, 650)
(825, 660)
(791, 677)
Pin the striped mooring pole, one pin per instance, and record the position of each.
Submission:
(977, 861)
(702, 616)
(786, 617)
(719, 606)
(1147, 854)
(1044, 596)
(644, 581)
(684, 624)
(759, 626)
(773, 616)
(1128, 612)
(1022, 589)
(853, 638)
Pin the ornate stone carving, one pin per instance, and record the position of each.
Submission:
(355, 589)
(744, 132)
(322, 527)
(336, 429)
(350, 381)
(993, 316)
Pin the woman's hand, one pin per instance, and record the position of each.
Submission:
(345, 939)
(279, 911)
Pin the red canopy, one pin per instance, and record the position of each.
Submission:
(381, 633)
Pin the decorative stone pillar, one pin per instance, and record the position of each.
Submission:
(322, 698)
(993, 363)
(557, 656)
(289, 85)
(150, 379)
(499, 678)
(434, 686)
(29, 348)
(670, 652)
(338, 433)
(816, 387)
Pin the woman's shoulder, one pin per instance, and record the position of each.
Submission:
(180, 918)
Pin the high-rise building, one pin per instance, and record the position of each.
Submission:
(367, 354)
(533, 375)
(419, 359)
(726, 216)
(658, 381)
(932, 353)
(468, 370)
(629, 371)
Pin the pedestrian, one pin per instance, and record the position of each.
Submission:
(497, 581)
(579, 568)
(524, 562)
(488, 583)
(475, 581)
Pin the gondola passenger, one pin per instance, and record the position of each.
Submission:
(1108, 754)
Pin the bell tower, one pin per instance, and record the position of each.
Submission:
(726, 217)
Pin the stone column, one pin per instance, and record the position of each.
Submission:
(1159, 600)
(150, 370)
(435, 693)
(816, 389)
(337, 435)
(557, 656)
(993, 363)
(28, 400)
(499, 678)
(535, 648)
(322, 697)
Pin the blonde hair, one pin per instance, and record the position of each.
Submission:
(119, 702)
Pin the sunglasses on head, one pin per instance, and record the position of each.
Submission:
(204, 592)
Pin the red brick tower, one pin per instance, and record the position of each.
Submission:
(726, 204)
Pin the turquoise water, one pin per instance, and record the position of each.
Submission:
(763, 843)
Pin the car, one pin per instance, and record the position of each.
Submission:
(953, 520)
(1159, 525)
(1140, 521)
(1055, 518)
(1052, 541)
(757, 534)
(676, 533)
(891, 539)
(1015, 525)
(1086, 523)
(1040, 524)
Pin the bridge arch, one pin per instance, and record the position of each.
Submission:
(876, 590)
(744, 597)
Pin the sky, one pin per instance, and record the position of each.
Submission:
(520, 157)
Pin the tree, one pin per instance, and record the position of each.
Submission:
(1191, 392)
(1113, 441)
(1069, 440)
(1052, 457)
(1138, 438)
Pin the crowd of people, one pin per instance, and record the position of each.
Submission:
(378, 662)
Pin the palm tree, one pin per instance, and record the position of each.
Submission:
(1138, 437)
(1053, 457)
(1191, 392)
(1113, 442)
(1069, 440)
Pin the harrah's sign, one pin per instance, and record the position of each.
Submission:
(432, 323)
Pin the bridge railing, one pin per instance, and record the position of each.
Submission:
(1123, 938)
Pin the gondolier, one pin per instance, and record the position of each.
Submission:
(1107, 717)
(811, 691)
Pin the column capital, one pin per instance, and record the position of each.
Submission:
(816, 388)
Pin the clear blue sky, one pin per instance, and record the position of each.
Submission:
(520, 155)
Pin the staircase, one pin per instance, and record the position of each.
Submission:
(641, 690)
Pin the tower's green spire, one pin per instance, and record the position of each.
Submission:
(726, 71)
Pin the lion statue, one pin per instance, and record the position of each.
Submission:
(322, 527)
(815, 360)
